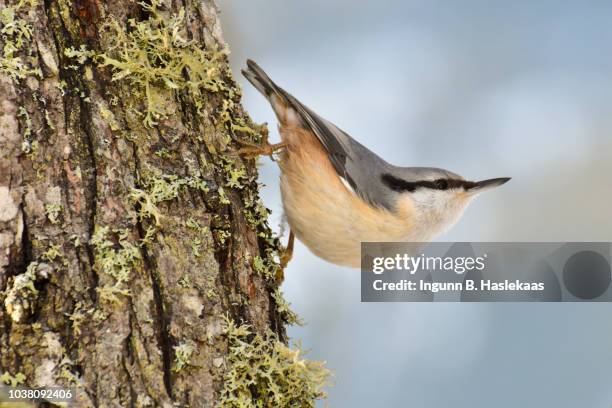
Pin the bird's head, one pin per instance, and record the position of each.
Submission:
(435, 197)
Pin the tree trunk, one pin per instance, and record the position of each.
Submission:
(130, 231)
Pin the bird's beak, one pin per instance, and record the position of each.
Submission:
(485, 185)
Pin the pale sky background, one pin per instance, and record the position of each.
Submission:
(485, 89)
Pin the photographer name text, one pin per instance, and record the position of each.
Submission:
(467, 285)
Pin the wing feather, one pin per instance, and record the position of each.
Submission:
(354, 163)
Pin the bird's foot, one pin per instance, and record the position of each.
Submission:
(263, 149)
(285, 257)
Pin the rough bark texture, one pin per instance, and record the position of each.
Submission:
(129, 229)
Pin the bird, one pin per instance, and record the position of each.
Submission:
(337, 193)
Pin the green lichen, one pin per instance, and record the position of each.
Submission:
(196, 247)
(211, 293)
(26, 145)
(77, 318)
(114, 259)
(185, 282)
(16, 35)
(236, 177)
(161, 66)
(76, 241)
(194, 225)
(100, 315)
(240, 124)
(79, 55)
(256, 213)
(109, 117)
(83, 95)
(65, 9)
(49, 121)
(116, 262)
(61, 85)
(11, 380)
(182, 355)
(236, 174)
(259, 265)
(222, 236)
(112, 294)
(164, 153)
(67, 371)
(53, 253)
(21, 296)
(284, 309)
(264, 372)
(266, 267)
(223, 199)
(210, 287)
(157, 60)
(158, 188)
(53, 212)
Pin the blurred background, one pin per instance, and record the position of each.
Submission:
(482, 88)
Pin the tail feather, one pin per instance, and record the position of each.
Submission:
(280, 100)
(292, 112)
(259, 79)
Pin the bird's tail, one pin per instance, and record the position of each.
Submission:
(293, 113)
(260, 80)
(279, 99)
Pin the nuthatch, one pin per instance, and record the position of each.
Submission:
(336, 193)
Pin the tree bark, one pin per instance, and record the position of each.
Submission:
(129, 228)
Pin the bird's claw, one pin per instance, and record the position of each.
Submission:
(285, 257)
(265, 149)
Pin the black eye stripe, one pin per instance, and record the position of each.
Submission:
(398, 184)
(441, 184)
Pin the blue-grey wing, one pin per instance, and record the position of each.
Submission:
(356, 164)
(359, 167)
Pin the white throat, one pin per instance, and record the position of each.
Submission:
(435, 212)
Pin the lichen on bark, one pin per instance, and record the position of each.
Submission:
(129, 227)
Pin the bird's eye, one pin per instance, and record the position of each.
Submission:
(441, 184)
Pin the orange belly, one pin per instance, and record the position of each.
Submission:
(329, 218)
